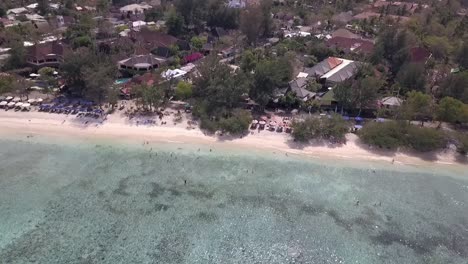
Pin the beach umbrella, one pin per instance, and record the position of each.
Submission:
(26, 105)
(262, 122)
(3, 103)
(18, 104)
(31, 101)
(11, 104)
(39, 100)
(37, 88)
(16, 99)
(254, 121)
(9, 98)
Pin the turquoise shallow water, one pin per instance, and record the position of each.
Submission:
(88, 203)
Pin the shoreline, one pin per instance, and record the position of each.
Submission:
(118, 128)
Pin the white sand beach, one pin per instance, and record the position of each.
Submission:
(120, 128)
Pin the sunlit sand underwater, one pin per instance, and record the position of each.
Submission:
(88, 203)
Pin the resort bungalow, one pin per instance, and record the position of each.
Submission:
(48, 54)
(298, 87)
(135, 8)
(351, 45)
(390, 102)
(141, 63)
(156, 42)
(333, 70)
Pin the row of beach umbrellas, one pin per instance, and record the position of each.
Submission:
(18, 99)
(13, 104)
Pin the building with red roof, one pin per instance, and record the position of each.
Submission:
(419, 55)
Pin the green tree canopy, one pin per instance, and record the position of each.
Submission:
(269, 75)
(183, 90)
(218, 86)
(197, 42)
(174, 23)
(456, 86)
(360, 92)
(393, 46)
(412, 77)
(462, 57)
(333, 129)
(219, 15)
(149, 97)
(98, 79)
(388, 135)
(451, 110)
(393, 134)
(6, 83)
(417, 106)
(47, 75)
(439, 46)
(237, 123)
(248, 61)
(17, 57)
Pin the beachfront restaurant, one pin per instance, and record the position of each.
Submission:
(141, 63)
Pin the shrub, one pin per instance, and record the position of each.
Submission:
(333, 129)
(7, 83)
(389, 135)
(183, 90)
(306, 130)
(462, 143)
(208, 124)
(425, 139)
(392, 135)
(238, 123)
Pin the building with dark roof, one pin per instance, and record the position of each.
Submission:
(49, 54)
(298, 86)
(323, 67)
(349, 45)
(344, 33)
(333, 70)
(152, 40)
(343, 17)
(141, 63)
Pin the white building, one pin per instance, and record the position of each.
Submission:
(135, 8)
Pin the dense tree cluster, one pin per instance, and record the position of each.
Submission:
(360, 92)
(89, 74)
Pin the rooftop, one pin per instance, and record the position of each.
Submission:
(340, 73)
